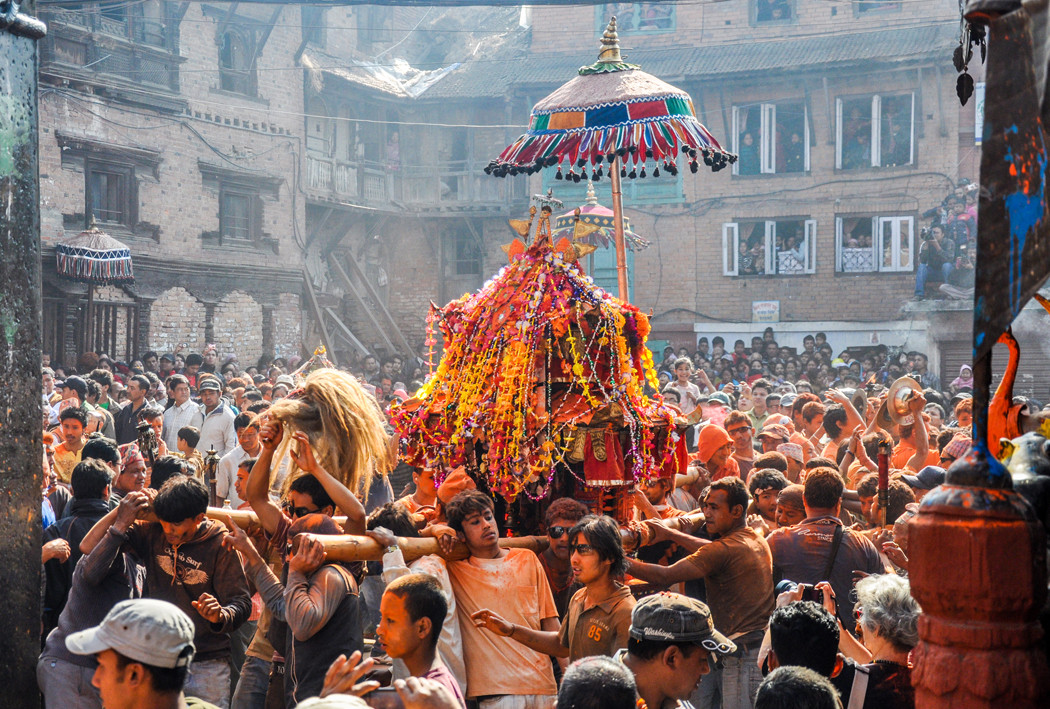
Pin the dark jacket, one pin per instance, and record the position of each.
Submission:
(181, 574)
(101, 579)
(58, 575)
(125, 423)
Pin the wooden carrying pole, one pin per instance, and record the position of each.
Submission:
(351, 548)
(621, 247)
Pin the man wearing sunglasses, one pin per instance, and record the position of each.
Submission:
(317, 491)
(562, 514)
(599, 615)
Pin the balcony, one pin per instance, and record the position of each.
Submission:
(118, 56)
(459, 186)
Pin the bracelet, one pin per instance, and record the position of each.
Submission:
(392, 548)
(512, 629)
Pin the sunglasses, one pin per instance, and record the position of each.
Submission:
(557, 532)
(296, 512)
(580, 549)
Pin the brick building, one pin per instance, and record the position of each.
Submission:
(365, 129)
(158, 120)
(845, 116)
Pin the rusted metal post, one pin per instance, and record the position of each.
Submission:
(20, 394)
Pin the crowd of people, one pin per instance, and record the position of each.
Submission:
(734, 583)
(949, 245)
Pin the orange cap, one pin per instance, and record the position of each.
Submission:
(455, 482)
(712, 437)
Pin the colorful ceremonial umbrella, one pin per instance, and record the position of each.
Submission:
(602, 217)
(616, 113)
(96, 258)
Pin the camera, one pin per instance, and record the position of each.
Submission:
(926, 233)
(809, 591)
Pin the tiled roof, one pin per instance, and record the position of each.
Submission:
(488, 78)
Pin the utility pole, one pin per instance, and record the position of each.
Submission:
(20, 393)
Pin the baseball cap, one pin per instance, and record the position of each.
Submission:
(168, 357)
(775, 430)
(793, 451)
(928, 478)
(672, 617)
(722, 397)
(145, 630)
(788, 400)
(209, 384)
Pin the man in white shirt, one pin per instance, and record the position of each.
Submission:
(217, 429)
(248, 446)
(184, 412)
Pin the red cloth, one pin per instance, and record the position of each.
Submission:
(604, 472)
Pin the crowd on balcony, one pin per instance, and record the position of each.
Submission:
(949, 245)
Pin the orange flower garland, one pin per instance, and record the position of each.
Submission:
(539, 335)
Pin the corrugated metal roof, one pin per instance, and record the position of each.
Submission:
(484, 78)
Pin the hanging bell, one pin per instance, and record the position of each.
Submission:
(694, 166)
(633, 173)
(642, 173)
(623, 172)
(597, 174)
(656, 171)
(558, 175)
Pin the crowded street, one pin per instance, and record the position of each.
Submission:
(572, 355)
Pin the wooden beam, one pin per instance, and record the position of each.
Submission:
(346, 332)
(379, 303)
(318, 315)
(226, 21)
(340, 273)
(261, 42)
(316, 228)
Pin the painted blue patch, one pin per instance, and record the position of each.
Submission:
(995, 468)
(1025, 213)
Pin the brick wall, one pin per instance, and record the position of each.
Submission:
(238, 327)
(176, 209)
(576, 29)
(288, 326)
(177, 318)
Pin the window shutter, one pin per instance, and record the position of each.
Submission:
(838, 244)
(771, 245)
(805, 116)
(769, 143)
(730, 249)
(876, 131)
(811, 246)
(838, 134)
(735, 138)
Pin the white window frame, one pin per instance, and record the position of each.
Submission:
(767, 133)
(876, 130)
(731, 240)
(839, 235)
(730, 249)
(895, 235)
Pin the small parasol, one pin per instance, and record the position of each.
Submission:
(617, 114)
(602, 217)
(96, 258)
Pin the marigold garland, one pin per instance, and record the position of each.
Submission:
(536, 352)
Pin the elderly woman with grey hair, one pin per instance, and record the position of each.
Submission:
(887, 620)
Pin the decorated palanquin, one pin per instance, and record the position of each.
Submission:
(544, 375)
